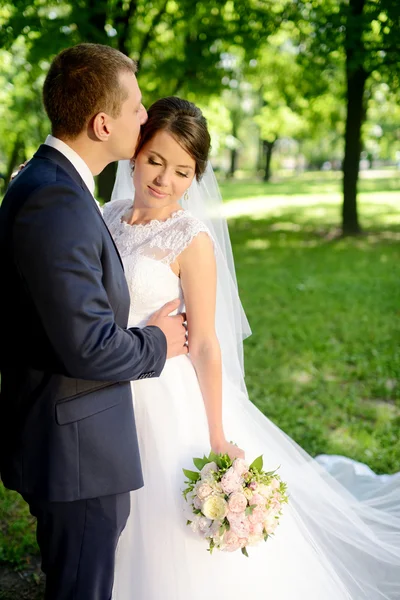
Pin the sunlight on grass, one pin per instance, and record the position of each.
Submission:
(325, 316)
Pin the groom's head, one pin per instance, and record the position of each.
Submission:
(91, 92)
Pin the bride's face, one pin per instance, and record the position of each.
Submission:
(163, 172)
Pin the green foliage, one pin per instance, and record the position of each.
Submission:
(191, 475)
(257, 464)
(17, 530)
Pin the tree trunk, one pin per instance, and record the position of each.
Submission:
(125, 12)
(356, 77)
(233, 164)
(96, 33)
(234, 151)
(268, 148)
(352, 153)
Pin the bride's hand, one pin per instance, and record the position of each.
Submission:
(224, 447)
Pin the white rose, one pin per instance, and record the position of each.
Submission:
(265, 490)
(204, 526)
(248, 493)
(206, 471)
(197, 503)
(254, 540)
(216, 486)
(203, 490)
(215, 507)
(194, 525)
(275, 484)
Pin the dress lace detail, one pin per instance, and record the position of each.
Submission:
(148, 251)
(161, 240)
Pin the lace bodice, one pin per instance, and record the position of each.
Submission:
(147, 252)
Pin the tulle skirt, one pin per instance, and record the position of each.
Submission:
(329, 545)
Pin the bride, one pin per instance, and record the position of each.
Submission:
(165, 220)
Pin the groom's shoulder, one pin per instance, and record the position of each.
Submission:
(40, 179)
(38, 174)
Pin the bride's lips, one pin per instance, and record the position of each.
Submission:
(156, 194)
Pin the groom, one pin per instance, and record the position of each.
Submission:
(68, 441)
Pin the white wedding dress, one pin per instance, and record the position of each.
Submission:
(328, 546)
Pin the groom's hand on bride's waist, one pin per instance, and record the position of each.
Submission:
(174, 328)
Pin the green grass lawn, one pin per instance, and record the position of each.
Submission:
(323, 361)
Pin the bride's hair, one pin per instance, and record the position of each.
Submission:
(185, 122)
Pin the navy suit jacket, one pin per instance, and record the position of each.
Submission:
(67, 428)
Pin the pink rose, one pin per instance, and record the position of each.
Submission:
(258, 500)
(231, 541)
(253, 485)
(239, 524)
(237, 502)
(240, 466)
(256, 529)
(257, 516)
(230, 482)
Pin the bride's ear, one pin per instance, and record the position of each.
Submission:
(101, 127)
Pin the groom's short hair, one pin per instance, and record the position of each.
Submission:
(82, 81)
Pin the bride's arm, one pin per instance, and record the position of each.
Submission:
(199, 283)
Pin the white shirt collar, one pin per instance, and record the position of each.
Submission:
(73, 158)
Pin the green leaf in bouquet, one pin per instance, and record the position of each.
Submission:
(212, 546)
(222, 529)
(215, 458)
(257, 464)
(244, 551)
(226, 462)
(249, 509)
(270, 473)
(266, 536)
(199, 463)
(191, 475)
(188, 522)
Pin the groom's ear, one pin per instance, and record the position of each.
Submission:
(101, 125)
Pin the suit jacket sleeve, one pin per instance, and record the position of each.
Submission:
(58, 255)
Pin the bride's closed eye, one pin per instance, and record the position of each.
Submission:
(158, 164)
(153, 162)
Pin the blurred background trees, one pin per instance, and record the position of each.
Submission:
(306, 85)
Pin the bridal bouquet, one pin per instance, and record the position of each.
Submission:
(234, 504)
